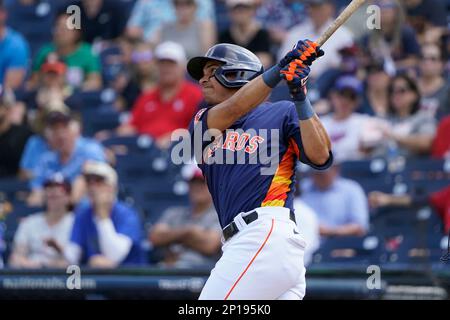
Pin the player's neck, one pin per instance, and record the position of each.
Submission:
(199, 208)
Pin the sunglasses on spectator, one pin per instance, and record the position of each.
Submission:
(400, 90)
(431, 58)
(92, 178)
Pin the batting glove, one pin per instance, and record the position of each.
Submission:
(296, 75)
(305, 50)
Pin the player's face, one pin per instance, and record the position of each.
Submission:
(213, 92)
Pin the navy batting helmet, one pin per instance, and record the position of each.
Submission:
(239, 65)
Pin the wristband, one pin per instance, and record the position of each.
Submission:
(272, 76)
(304, 109)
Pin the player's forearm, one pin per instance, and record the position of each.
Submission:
(315, 140)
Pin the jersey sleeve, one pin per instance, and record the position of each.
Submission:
(200, 138)
(291, 129)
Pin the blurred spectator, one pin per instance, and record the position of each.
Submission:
(439, 200)
(308, 225)
(187, 30)
(434, 88)
(441, 143)
(428, 18)
(395, 42)
(41, 238)
(101, 19)
(140, 76)
(12, 137)
(345, 127)
(278, 16)
(52, 87)
(171, 105)
(106, 233)
(340, 204)
(83, 66)
(33, 19)
(320, 17)
(148, 16)
(410, 130)
(190, 235)
(246, 31)
(375, 99)
(14, 54)
(69, 151)
(38, 143)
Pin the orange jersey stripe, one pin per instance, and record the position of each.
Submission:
(281, 182)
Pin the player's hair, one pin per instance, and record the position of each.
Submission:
(412, 85)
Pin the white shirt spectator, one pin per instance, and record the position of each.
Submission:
(346, 136)
(34, 231)
(341, 39)
(308, 225)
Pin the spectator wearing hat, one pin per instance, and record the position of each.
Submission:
(14, 54)
(12, 137)
(187, 29)
(344, 126)
(106, 232)
(189, 236)
(68, 152)
(83, 66)
(320, 17)
(147, 17)
(246, 31)
(171, 105)
(40, 239)
(340, 204)
(52, 88)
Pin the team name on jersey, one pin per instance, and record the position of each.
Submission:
(236, 141)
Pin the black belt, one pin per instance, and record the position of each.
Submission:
(231, 229)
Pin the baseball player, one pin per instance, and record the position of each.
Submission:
(262, 248)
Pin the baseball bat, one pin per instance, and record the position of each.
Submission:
(340, 20)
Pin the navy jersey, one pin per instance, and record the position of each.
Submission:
(253, 163)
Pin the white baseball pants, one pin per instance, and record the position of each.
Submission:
(263, 261)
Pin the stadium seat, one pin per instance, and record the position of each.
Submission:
(350, 251)
(10, 188)
(130, 145)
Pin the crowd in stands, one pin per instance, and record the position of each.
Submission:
(86, 116)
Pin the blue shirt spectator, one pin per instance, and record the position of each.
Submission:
(125, 221)
(33, 19)
(14, 56)
(34, 148)
(148, 15)
(341, 204)
(50, 163)
(106, 232)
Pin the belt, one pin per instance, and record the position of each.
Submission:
(231, 229)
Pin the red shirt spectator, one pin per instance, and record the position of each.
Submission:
(153, 116)
(441, 143)
(440, 200)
